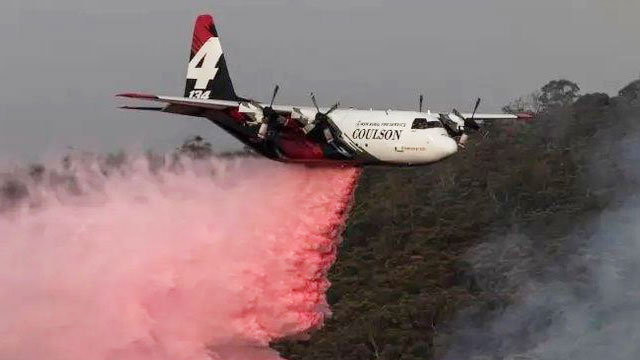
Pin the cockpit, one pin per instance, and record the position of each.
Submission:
(423, 123)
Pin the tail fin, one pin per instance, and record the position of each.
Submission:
(207, 75)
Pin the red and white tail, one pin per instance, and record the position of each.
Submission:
(207, 74)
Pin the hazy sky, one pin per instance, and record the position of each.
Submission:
(63, 60)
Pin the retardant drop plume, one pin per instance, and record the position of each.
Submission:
(202, 260)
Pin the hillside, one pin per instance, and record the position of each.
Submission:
(523, 246)
(432, 254)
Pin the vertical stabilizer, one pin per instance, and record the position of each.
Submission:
(207, 74)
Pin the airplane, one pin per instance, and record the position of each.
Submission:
(312, 135)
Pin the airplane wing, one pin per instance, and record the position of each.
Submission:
(490, 117)
(180, 104)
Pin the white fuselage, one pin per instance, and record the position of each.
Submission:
(392, 136)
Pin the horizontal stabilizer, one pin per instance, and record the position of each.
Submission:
(138, 96)
(142, 108)
(201, 104)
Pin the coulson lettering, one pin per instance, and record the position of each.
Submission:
(377, 134)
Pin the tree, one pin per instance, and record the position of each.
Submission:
(631, 92)
(554, 94)
(592, 101)
(196, 147)
(558, 93)
(528, 103)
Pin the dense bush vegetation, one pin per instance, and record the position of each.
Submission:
(403, 275)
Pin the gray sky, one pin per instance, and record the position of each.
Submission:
(63, 60)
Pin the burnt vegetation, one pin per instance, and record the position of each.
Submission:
(403, 275)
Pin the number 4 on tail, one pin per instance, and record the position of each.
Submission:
(202, 67)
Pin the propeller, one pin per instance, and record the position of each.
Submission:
(269, 115)
(322, 118)
(275, 93)
(470, 123)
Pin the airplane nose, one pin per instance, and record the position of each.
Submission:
(450, 145)
(446, 146)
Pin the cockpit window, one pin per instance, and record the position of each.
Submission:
(422, 123)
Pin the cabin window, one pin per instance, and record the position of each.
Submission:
(422, 123)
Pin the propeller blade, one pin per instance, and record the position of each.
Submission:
(468, 123)
(275, 93)
(315, 103)
(296, 114)
(421, 101)
(475, 110)
(333, 108)
(457, 113)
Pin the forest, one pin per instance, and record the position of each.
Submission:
(436, 262)
(433, 255)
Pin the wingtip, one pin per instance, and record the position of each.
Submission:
(525, 115)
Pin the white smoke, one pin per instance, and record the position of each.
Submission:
(584, 306)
